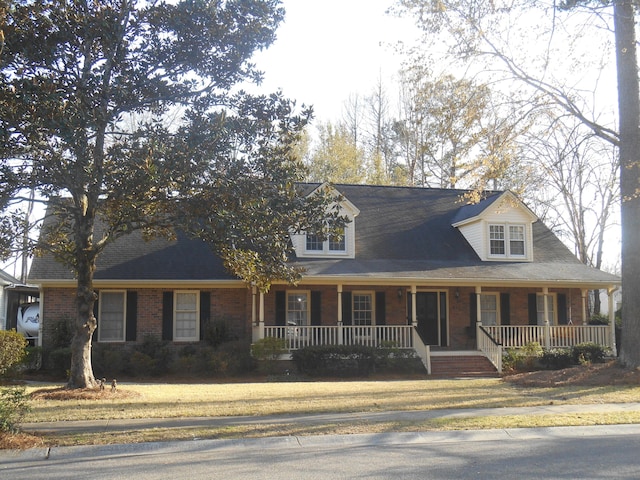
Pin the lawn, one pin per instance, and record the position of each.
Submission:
(172, 400)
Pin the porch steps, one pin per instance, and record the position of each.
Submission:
(452, 365)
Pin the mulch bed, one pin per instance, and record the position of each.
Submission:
(600, 374)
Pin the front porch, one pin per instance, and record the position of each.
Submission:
(491, 341)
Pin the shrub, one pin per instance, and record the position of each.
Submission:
(217, 332)
(335, 360)
(14, 405)
(269, 348)
(59, 361)
(556, 358)
(12, 350)
(599, 319)
(152, 357)
(522, 359)
(391, 359)
(586, 353)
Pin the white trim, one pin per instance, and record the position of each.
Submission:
(508, 255)
(196, 337)
(307, 293)
(372, 294)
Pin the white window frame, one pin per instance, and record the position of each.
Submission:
(496, 296)
(552, 305)
(307, 311)
(101, 316)
(507, 239)
(328, 245)
(196, 312)
(372, 296)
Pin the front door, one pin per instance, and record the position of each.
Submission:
(431, 314)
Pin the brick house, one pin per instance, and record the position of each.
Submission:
(417, 268)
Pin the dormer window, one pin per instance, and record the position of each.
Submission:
(507, 240)
(335, 244)
(341, 244)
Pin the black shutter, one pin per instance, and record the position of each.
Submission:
(346, 309)
(505, 309)
(381, 313)
(205, 312)
(281, 308)
(131, 318)
(473, 314)
(167, 316)
(533, 309)
(562, 309)
(316, 308)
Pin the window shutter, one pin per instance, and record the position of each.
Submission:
(346, 309)
(205, 312)
(562, 309)
(505, 309)
(316, 308)
(281, 308)
(533, 309)
(131, 316)
(381, 313)
(96, 310)
(167, 316)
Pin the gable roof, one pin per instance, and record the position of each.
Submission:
(401, 234)
(473, 211)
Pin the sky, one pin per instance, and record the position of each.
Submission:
(327, 50)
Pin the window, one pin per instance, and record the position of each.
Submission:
(496, 238)
(314, 243)
(489, 308)
(111, 316)
(333, 245)
(516, 240)
(337, 242)
(551, 300)
(362, 308)
(186, 316)
(507, 241)
(298, 308)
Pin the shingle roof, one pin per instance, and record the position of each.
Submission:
(401, 232)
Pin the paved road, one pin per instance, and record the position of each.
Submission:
(542, 453)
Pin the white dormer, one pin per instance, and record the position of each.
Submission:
(500, 230)
(343, 246)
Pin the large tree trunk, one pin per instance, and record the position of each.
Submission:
(81, 371)
(629, 107)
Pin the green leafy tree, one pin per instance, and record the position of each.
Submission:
(564, 33)
(86, 89)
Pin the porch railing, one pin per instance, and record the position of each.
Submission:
(491, 348)
(553, 336)
(398, 336)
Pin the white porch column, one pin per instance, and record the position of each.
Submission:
(340, 336)
(612, 321)
(547, 323)
(585, 298)
(478, 315)
(414, 315)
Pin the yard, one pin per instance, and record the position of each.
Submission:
(579, 385)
